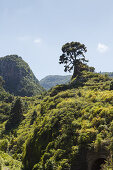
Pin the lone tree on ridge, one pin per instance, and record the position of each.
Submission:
(73, 57)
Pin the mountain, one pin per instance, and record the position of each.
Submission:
(69, 127)
(74, 127)
(53, 80)
(19, 78)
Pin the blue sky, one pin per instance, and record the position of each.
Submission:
(37, 29)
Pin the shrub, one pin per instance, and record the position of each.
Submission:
(1, 163)
(34, 116)
(4, 145)
(65, 164)
(111, 85)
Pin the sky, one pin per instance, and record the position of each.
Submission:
(36, 30)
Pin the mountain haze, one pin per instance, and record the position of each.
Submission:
(53, 80)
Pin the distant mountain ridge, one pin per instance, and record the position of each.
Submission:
(19, 78)
(53, 80)
(110, 74)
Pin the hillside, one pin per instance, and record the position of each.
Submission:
(11, 143)
(5, 104)
(68, 128)
(74, 120)
(53, 80)
(19, 78)
(15, 130)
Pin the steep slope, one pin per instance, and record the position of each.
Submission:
(18, 77)
(53, 80)
(5, 105)
(13, 139)
(74, 120)
(5, 100)
(58, 132)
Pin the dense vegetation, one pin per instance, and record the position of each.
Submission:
(52, 80)
(17, 119)
(54, 132)
(57, 130)
(18, 77)
(72, 122)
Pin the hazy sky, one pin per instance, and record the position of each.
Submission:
(37, 29)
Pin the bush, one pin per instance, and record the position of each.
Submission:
(34, 116)
(111, 85)
(65, 164)
(4, 145)
(1, 163)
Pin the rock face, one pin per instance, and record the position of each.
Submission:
(18, 77)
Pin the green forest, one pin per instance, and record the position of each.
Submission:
(68, 127)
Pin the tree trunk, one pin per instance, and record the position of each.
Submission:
(76, 69)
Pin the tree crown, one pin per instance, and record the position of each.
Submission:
(73, 56)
